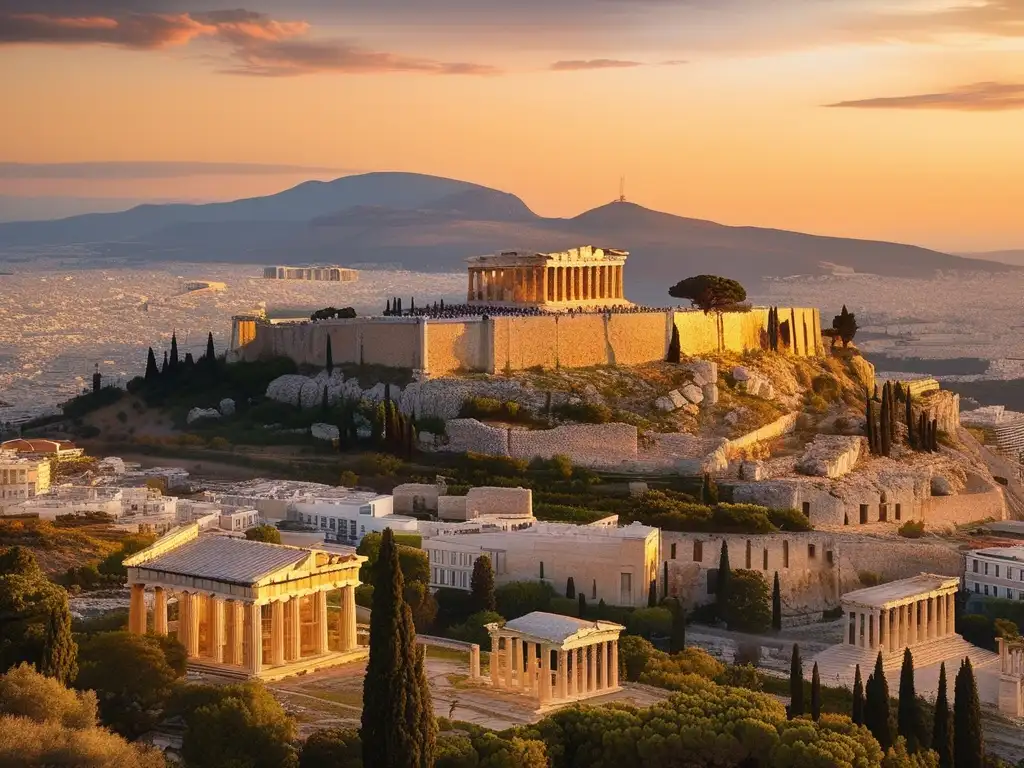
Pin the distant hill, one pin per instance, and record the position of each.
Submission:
(430, 223)
(1015, 257)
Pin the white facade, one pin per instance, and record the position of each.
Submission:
(22, 478)
(349, 519)
(995, 572)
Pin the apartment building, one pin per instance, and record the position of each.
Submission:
(995, 572)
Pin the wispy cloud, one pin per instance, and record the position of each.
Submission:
(989, 18)
(576, 65)
(259, 44)
(977, 97)
(153, 170)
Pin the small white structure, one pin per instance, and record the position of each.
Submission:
(555, 659)
(1011, 676)
(995, 572)
(22, 477)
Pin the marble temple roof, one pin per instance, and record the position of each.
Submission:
(224, 558)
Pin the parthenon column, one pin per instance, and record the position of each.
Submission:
(253, 650)
(950, 613)
(276, 633)
(320, 622)
(577, 283)
(941, 629)
(901, 635)
(159, 611)
(511, 649)
(215, 628)
(615, 663)
(602, 666)
(496, 679)
(932, 623)
(544, 284)
(591, 668)
(587, 284)
(347, 619)
(858, 624)
(192, 647)
(233, 654)
(137, 610)
(561, 675)
(545, 674)
(292, 630)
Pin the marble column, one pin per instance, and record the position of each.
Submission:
(858, 625)
(581, 667)
(292, 630)
(578, 283)
(912, 623)
(932, 623)
(276, 633)
(561, 687)
(320, 623)
(602, 665)
(941, 629)
(511, 651)
(591, 668)
(615, 663)
(215, 628)
(496, 679)
(571, 672)
(901, 638)
(950, 614)
(253, 650)
(235, 632)
(137, 610)
(586, 284)
(348, 618)
(545, 282)
(194, 610)
(545, 674)
(159, 611)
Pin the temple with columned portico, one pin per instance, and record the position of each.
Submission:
(578, 278)
(247, 608)
(555, 659)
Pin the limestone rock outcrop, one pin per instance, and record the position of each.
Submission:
(327, 432)
(831, 456)
(202, 413)
(227, 407)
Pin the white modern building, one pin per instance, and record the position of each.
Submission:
(115, 502)
(995, 572)
(21, 477)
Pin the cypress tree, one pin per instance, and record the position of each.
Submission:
(59, 658)
(910, 421)
(412, 305)
(330, 358)
(174, 351)
(189, 361)
(652, 594)
(583, 605)
(908, 714)
(677, 640)
(776, 604)
(796, 684)
(815, 693)
(876, 706)
(570, 589)
(398, 729)
(481, 585)
(674, 347)
(968, 748)
(387, 307)
(163, 368)
(875, 398)
(892, 414)
(664, 578)
(942, 736)
(442, 305)
(211, 355)
(884, 428)
(922, 433)
(857, 715)
(324, 403)
(399, 300)
(151, 370)
(722, 578)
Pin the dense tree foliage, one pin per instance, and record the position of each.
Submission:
(481, 585)
(265, 533)
(709, 292)
(674, 512)
(909, 712)
(942, 733)
(332, 748)
(746, 607)
(845, 326)
(968, 746)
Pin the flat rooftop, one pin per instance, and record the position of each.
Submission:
(554, 627)
(1003, 553)
(579, 534)
(902, 590)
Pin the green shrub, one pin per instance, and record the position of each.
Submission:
(435, 425)
(563, 514)
(583, 412)
(485, 408)
(473, 629)
(518, 598)
(912, 529)
(79, 406)
(789, 520)
(826, 387)
(364, 595)
(869, 578)
(648, 622)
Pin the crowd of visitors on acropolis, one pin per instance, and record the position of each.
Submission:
(441, 310)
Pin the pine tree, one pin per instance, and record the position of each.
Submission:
(652, 594)
(674, 347)
(152, 372)
(396, 732)
(876, 706)
(796, 684)
(968, 748)
(776, 604)
(582, 610)
(481, 585)
(857, 715)
(908, 714)
(942, 736)
(211, 355)
(570, 589)
(59, 658)
(722, 578)
(174, 351)
(677, 639)
(815, 693)
(330, 358)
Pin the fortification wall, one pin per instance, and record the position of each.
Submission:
(470, 435)
(965, 508)
(455, 346)
(587, 444)
(393, 342)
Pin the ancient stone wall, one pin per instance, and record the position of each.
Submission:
(944, 407)
(393, 342)
(414, 497)
(965, 508)
(602, 445)
(455, 346)
(781, 426)
(470, 435)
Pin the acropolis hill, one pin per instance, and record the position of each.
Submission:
(563, 310)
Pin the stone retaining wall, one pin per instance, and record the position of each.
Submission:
(471, 435)
(587, 444)
(777, 428)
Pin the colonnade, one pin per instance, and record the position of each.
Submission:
(891, 628)
(550, 673)
(247, 634)
(546, 284)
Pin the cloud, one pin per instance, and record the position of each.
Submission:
(990, 18)
(153, 170)
(259, 45)
(576, 65)
(978, 97)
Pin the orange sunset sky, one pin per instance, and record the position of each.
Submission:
(901, 119)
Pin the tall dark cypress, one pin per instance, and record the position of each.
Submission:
(886, 412)
(910, 421)
(776, 604)
(908, 715)
(163, 368)
(892, 414)
(796, 684)
(857, 715)
(387, 307)
(396, 730)
(174, 351)
(815, 693)
(876, 706)
(151, 370)
(211, 354)
(722, 579)
(942, 735)
(664, 579)
(59, 657)
(674, 347)
(968, 747)
(652, 594)
(330, 358)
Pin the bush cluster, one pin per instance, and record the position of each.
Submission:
(661, 510)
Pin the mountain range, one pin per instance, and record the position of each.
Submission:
(429, 223)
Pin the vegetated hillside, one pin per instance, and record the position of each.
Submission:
(432, 223)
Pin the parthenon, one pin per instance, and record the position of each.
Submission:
(580, 277)
(555, 659)
(247, 608)
(901, 614)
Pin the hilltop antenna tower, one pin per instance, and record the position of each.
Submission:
(622, 189)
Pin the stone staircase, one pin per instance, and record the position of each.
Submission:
(840, 661)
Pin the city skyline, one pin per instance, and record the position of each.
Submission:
(894, 120)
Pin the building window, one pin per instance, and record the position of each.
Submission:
(323, 523)
(785, 554)
(883, 513)
(626, 588)
(828, 556)
(698, 551)
(712, 580)
(986, 589)
(863, 514)
(899, 512)
(352, 528)
(366, 509)
(1009, 594)
(810, 551)
(673, 551)
(997, 571)
(975, 564)
(542, 569)
(748, 556)
(433, 575)
(765, 559)
(332, 523)
(807, 510)
(986, 569)
(975, 587)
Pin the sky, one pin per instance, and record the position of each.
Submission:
(884, 119)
